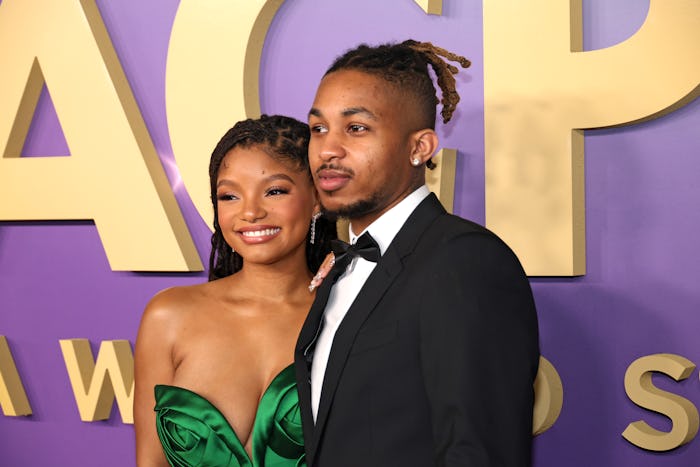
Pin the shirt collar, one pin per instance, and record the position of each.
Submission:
(385, 228)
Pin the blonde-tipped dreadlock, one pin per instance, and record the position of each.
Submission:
(445, 73)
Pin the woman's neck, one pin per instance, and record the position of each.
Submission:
(275, 281)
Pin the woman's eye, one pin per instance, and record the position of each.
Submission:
(277, 191)
(226, 197)
(318, 129)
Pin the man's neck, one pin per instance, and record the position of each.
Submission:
(360, 224)
(386, 226)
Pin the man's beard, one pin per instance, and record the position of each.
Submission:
(354, 210)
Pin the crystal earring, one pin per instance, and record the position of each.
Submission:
(415, 162)
(312, 240)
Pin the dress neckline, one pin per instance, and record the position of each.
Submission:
(274, 390)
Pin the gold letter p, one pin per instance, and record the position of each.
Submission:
(540, 91)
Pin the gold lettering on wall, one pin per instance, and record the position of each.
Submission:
(541, 90)
(207, 93)
(549, 397)
(13, 399)
(113, 174)
(201, 105)
(441, 180)
(641, 390)
(96, 383)
(432, 7)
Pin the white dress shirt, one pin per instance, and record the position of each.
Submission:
(346, 289)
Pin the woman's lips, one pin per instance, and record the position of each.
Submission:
(253, 236)
(332, 180)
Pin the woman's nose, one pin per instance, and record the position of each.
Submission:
(252, 211)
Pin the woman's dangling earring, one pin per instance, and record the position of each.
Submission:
(313, 227)
(232, 250)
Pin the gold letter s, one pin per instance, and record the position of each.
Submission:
(540, 90)
(641, 391)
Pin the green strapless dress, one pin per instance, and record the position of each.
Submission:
(194, 433)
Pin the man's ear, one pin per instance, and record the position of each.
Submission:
(424, 144)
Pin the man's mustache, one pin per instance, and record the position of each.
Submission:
(335, 168)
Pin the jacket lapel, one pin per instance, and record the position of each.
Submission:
(386, 271)
(307, 337)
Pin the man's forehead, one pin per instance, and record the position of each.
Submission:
(350, 92)
(353, 83)
(345, 112)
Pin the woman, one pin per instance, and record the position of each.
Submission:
(214, 359)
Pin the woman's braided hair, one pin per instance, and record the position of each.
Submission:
(406, 66)
(286, 140)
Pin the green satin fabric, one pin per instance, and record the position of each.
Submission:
(194, 433)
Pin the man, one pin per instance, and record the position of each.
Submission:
(421, 347)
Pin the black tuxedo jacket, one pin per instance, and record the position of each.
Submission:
(434, 362)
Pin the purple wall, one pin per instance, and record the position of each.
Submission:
(640, 295)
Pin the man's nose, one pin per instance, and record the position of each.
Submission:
(331, 147)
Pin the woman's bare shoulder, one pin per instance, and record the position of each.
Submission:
(182, 302)
(173, 304)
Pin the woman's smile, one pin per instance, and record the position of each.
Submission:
(258, 234)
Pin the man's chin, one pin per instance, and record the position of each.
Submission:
(350, 210)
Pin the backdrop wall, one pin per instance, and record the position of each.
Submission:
(639, 296)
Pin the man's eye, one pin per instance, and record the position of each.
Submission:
(318, 129)
(357, 128)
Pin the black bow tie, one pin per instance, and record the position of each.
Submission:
(365, 247)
